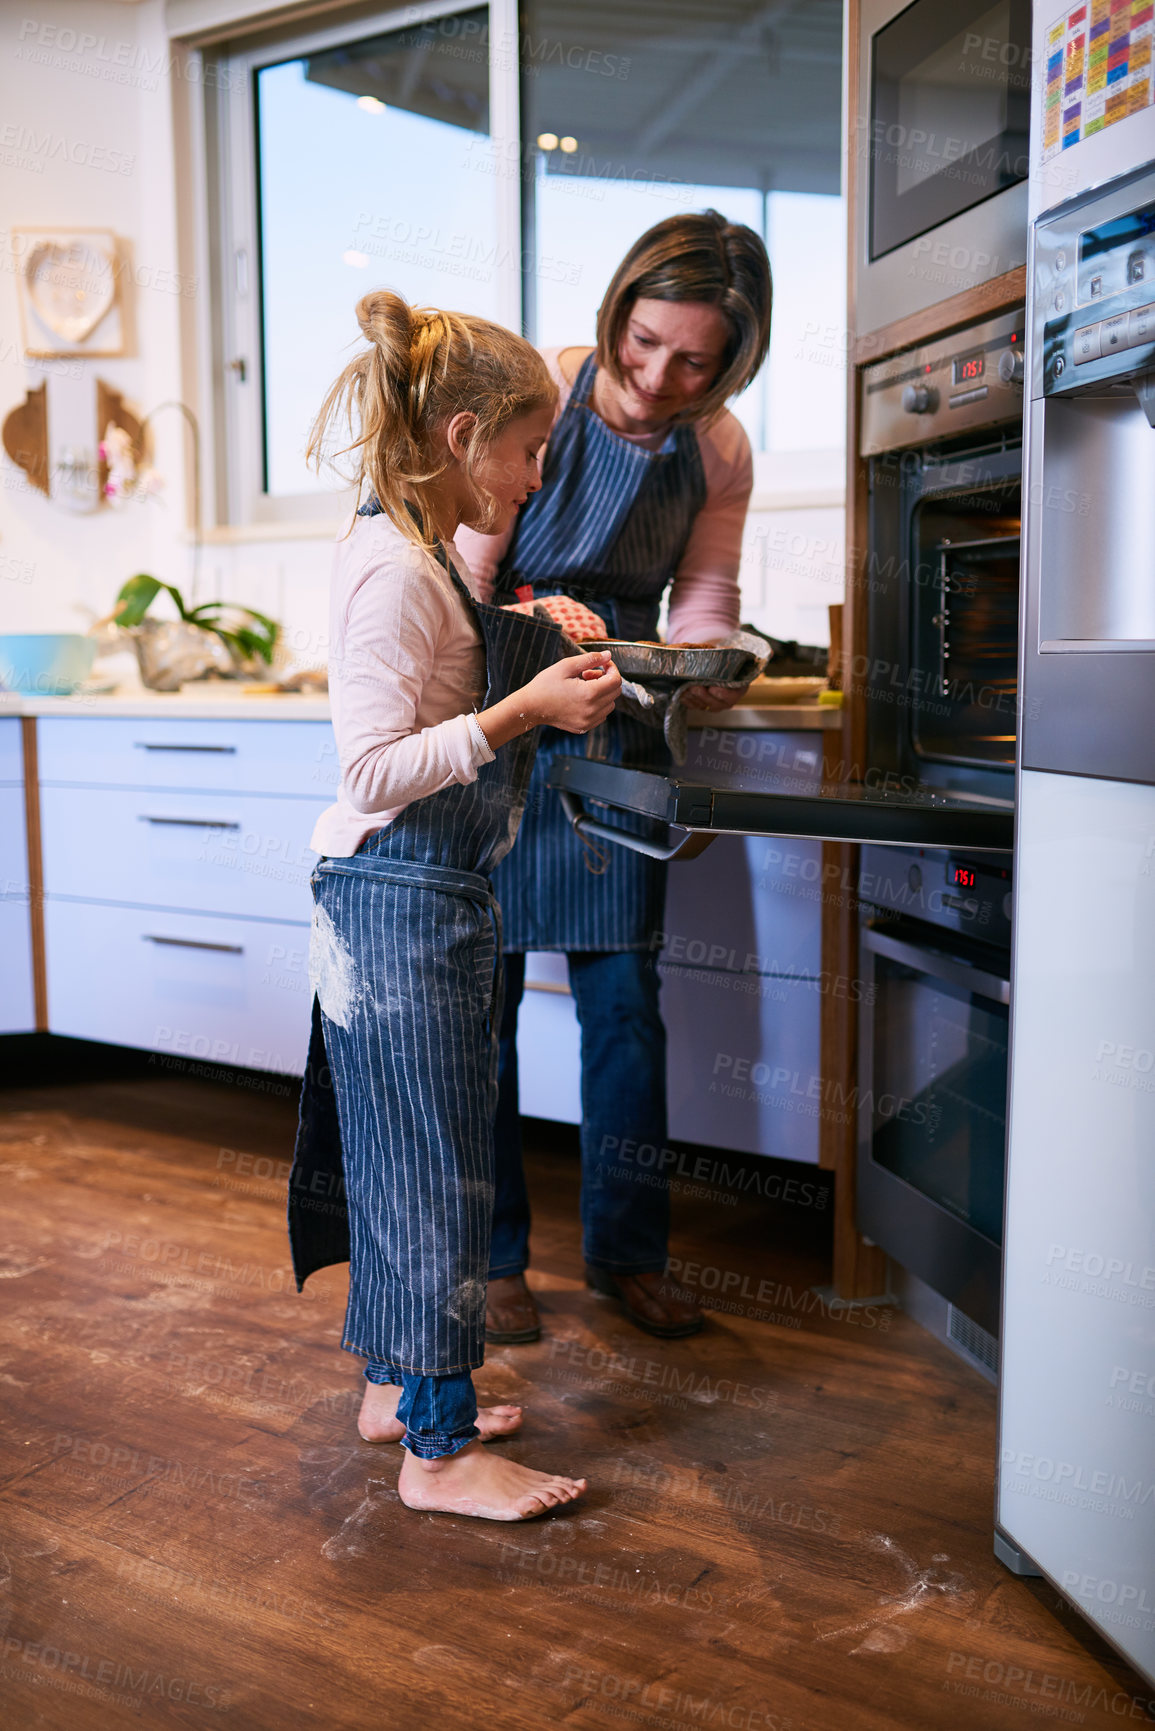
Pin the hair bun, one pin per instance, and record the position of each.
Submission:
(383, 315)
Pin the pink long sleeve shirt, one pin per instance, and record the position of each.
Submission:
(406, 671)
(705, 601)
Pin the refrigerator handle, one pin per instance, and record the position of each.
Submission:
(954, 970)
(693, 842)
(1144, 385)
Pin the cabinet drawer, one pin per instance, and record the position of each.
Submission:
(17, 1007)
(744, 1063)
(296, 758)
(11, 751)
(13, 848)
(219, 990)
(211, 852)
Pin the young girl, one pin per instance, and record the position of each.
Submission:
(437, 703)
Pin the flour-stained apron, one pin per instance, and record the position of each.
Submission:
(394, 1156)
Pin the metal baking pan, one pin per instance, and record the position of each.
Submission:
(655, 663)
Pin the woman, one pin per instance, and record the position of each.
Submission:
(645, 486)
(448, 416)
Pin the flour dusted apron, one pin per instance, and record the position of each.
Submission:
(608, 527)
(394, 1155)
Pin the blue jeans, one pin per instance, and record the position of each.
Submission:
(625, 1221)
(438, 1412)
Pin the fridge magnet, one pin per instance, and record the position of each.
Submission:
(1098, 70)
(70, 292)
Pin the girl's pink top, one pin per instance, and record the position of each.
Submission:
(406, 669)
(705, 601)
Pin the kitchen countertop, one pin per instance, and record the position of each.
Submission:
(213, 702)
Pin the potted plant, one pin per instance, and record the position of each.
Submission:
(216, 636)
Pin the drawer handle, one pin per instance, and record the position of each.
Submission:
(193, 944)
(228, 750)
(191, 822)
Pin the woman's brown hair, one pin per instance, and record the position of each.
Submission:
(696, 257)
(421, 368)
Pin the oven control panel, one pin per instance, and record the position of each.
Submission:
(958, 893)
(971, 378)
(1095, 292)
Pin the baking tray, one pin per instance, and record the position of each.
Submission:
(662, 663)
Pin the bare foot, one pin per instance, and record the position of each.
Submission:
(488, 1486)
(377, 1422)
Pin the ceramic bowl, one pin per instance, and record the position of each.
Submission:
(45, 664)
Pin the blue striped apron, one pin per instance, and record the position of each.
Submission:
(394, 1158)
(608, 527)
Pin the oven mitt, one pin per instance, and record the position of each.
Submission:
(578, 622)
(667, 709)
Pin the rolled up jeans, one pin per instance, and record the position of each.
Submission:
(438, 1412)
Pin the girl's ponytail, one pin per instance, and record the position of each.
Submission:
(421, 367)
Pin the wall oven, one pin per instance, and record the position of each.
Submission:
(941, 429)
(941, 432)
(942, 156)
(934, 961)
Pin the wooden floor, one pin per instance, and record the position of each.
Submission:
(788, 1525)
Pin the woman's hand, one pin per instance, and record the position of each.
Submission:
(575, 694)
(713, 697)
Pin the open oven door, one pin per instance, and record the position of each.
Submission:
(697, 811)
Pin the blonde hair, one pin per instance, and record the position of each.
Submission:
(422, 367)
(696, 257)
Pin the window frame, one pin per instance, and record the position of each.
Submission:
(231, 164)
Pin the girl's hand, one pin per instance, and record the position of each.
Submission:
(575, 694)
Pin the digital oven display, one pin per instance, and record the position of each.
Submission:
(961, 877)
(968, 368)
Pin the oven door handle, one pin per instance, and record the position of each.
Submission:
(938, 966)
(693, 842)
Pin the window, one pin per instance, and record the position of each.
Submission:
(387, 151)
(655, 112)
(351, 164)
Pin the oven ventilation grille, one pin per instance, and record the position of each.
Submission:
(974, 1341)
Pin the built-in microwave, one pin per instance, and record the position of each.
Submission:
(942, 151)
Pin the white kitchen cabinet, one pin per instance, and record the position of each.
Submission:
(297, 758)
(741, 970)
(748, 904)
(221, 853)
(11, 752)
(13, 844)
(17, 998)
(549, 1048)
(223, 991)
(743, 1059)
(743, 1066)
(176, 869)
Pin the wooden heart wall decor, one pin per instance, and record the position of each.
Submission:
(70, 292)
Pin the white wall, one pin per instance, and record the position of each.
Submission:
(86, 140)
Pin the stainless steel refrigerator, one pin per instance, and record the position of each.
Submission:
(1076, 1480)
